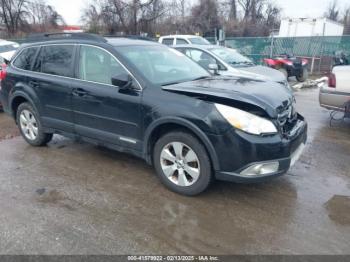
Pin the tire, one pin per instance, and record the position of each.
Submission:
(284, 72)
(30, 126)
(200, 171)
(304, 76)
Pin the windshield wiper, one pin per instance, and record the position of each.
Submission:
(241, 63)
(248, 63)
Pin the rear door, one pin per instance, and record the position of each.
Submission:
(101, 110)
(54, 69)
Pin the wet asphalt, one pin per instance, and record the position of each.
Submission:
(75, 198)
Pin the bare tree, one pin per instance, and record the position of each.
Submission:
(346, 21)
(239, 17)
(332, 12)
(205, 16)
(233, 9)
(91, 17)
(12, 14)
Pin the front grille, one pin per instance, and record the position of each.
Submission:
(287, 119)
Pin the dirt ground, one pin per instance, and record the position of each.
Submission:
(7, 127)
(75, 198)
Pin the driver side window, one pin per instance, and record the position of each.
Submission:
(97, 65)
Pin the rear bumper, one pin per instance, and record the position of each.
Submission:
(332, 99)
(251, 152)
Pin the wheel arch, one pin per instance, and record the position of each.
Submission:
(17, 98)
(166, 125)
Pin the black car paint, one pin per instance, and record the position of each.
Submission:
(103, 115)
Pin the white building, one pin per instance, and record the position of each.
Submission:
(294, 27)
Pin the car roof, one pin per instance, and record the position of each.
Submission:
(120, 41)
(5, 42)
(181, 36)
(114, 41)
(204, 47)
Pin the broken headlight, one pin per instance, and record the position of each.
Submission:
(245, 121)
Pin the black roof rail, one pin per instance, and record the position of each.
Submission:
(60, 36)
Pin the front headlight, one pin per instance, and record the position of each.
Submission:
(245, 121)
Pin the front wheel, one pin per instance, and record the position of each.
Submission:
(30, 126)
(304, 75)
(182, 163)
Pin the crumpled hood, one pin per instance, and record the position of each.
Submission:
(270, 73)
(272, 97)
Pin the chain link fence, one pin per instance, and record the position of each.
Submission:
(318, 50)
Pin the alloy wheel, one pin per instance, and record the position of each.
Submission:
(180, 164)
(29, 125)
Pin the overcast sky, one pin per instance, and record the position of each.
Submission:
(71, 9)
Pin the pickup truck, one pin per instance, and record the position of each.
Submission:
(336, 94)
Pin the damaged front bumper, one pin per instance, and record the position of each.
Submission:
(257, 158)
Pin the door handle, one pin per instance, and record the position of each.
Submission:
(79, 92)
(34, 84)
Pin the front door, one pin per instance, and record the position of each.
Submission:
(104, 111)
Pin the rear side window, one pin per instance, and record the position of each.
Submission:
(56, 60)
(181, 41)
(25, 59)
(168, 41)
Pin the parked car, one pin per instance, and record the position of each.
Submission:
(7, 49)
(290, 66)
(172, 40)
(229, 62)
(154, 102)
(336, 93)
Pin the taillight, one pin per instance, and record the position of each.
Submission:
(332, 81)
(3, 72)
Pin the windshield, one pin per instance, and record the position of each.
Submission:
(199, 41)
(232, 57)
(7, 48)
(162, 65)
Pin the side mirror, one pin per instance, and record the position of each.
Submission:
(123, 81)
(214, 68)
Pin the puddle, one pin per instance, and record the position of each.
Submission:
(338, 208)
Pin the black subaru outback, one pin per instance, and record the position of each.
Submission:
(151, 101)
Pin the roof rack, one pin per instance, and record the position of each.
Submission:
(135, 37)
(60, 36)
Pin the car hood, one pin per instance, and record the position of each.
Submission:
(270, 73)
(267, 95)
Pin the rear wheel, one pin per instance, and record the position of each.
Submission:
(30, 126)
(182, 163)
(304, 75)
